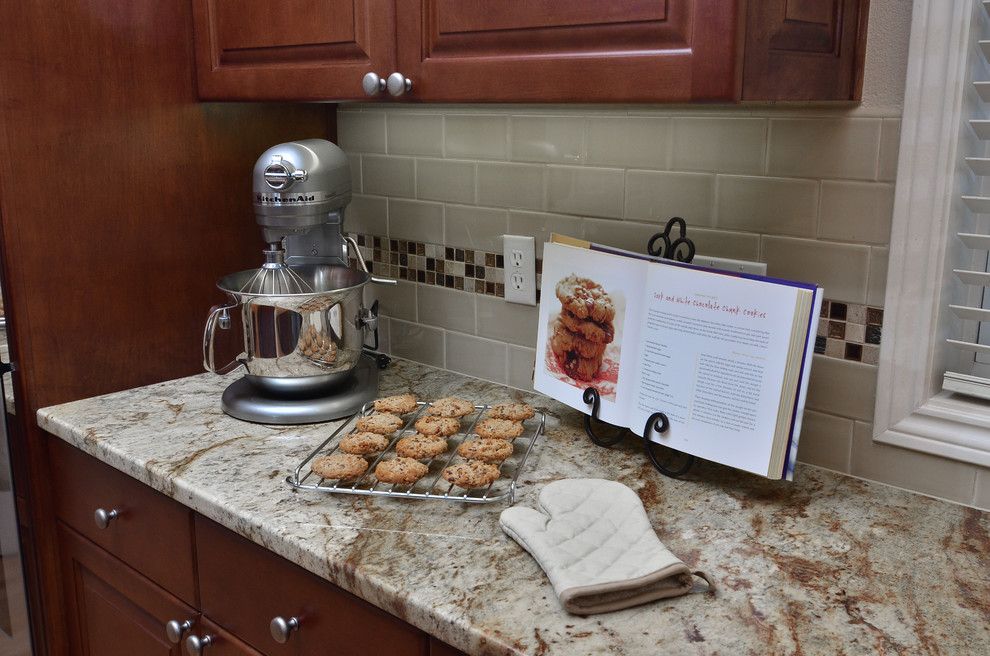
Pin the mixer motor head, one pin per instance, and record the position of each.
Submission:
(297, 185)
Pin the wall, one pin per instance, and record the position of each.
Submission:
(806, 189)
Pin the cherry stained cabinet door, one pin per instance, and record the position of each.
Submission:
(111, 609)
(571, 50)
(296, 50)
(805, 49)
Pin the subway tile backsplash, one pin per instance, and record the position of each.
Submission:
(807, 190)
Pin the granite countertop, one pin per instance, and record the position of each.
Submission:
(827, 564)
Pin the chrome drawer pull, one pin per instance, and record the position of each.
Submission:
(174, 630)
(282, 628)
(196, 646)
(104, 517)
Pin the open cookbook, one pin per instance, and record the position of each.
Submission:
(725, 356)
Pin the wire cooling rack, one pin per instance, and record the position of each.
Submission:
(430, 486)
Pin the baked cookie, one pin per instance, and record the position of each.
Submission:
(493, 451)
(364, 443)
(442, 426)
(579, 368)
(397, 405)
(421, 447)
(339, 466)
(585, 299)
(498, 429)
(383, 423)
(471, 474)
(513, 411)
(563, 341)
(403, 471)
(451, 406)
(601, 333)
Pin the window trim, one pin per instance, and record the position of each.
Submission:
(911, 410)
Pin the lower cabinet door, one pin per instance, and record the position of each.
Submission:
(208, 639)
(111, 609)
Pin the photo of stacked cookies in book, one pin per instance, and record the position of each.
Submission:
(582, 332)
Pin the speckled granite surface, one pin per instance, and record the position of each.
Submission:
(825, 565)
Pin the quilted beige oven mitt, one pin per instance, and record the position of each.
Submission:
(594, 540)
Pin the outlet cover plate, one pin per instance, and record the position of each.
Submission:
(519, 255)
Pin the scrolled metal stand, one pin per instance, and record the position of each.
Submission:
(675, 466)
(680, 249)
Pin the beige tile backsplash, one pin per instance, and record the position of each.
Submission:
(807, 190)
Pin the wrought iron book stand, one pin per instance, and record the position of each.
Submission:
(677, 463)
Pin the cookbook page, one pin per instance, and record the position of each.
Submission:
(589, 324)
(714, 349)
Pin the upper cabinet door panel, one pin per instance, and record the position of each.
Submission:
(804, 49)
(570, 50)
(298, 50)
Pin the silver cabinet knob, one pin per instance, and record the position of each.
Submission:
(282, 628)
(372, 84)
(196, 646)
(174, 630)
(103, 517)
(397, 84)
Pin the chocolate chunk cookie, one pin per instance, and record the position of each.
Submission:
(451, 406)
(399, 404)
(421, 447)
(363, 443)
(442, 426)
(513, 411)
(579, 368)
(585, 299)
(383, 423)
(564, 341)
(600, 333)
(494, 451)
(498, 429)
(339, 466)
(404, 471)
(471, 474)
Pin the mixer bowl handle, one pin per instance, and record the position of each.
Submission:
(218, 314)
(364, 267)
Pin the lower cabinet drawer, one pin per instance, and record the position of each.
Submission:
(149, 532)
(243, 587)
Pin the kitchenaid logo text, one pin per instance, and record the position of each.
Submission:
(284, 199)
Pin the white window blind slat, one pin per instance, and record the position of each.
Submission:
(973, 277)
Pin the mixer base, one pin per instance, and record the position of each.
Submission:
(244, 400)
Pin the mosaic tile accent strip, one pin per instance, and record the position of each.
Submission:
(435, 264)
(847, 331)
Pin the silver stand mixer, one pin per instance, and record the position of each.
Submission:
(304, 321)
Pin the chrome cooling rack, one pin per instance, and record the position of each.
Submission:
(431, 486)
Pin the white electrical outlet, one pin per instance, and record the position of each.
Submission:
(519, 254)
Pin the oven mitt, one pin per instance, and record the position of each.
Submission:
(594, 540)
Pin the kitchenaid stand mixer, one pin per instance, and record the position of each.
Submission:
(304, 320)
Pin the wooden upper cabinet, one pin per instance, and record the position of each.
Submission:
(805, 49)
(532, 50)
(570, 50)
(298, 50)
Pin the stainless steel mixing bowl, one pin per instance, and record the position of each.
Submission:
(317, 335)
